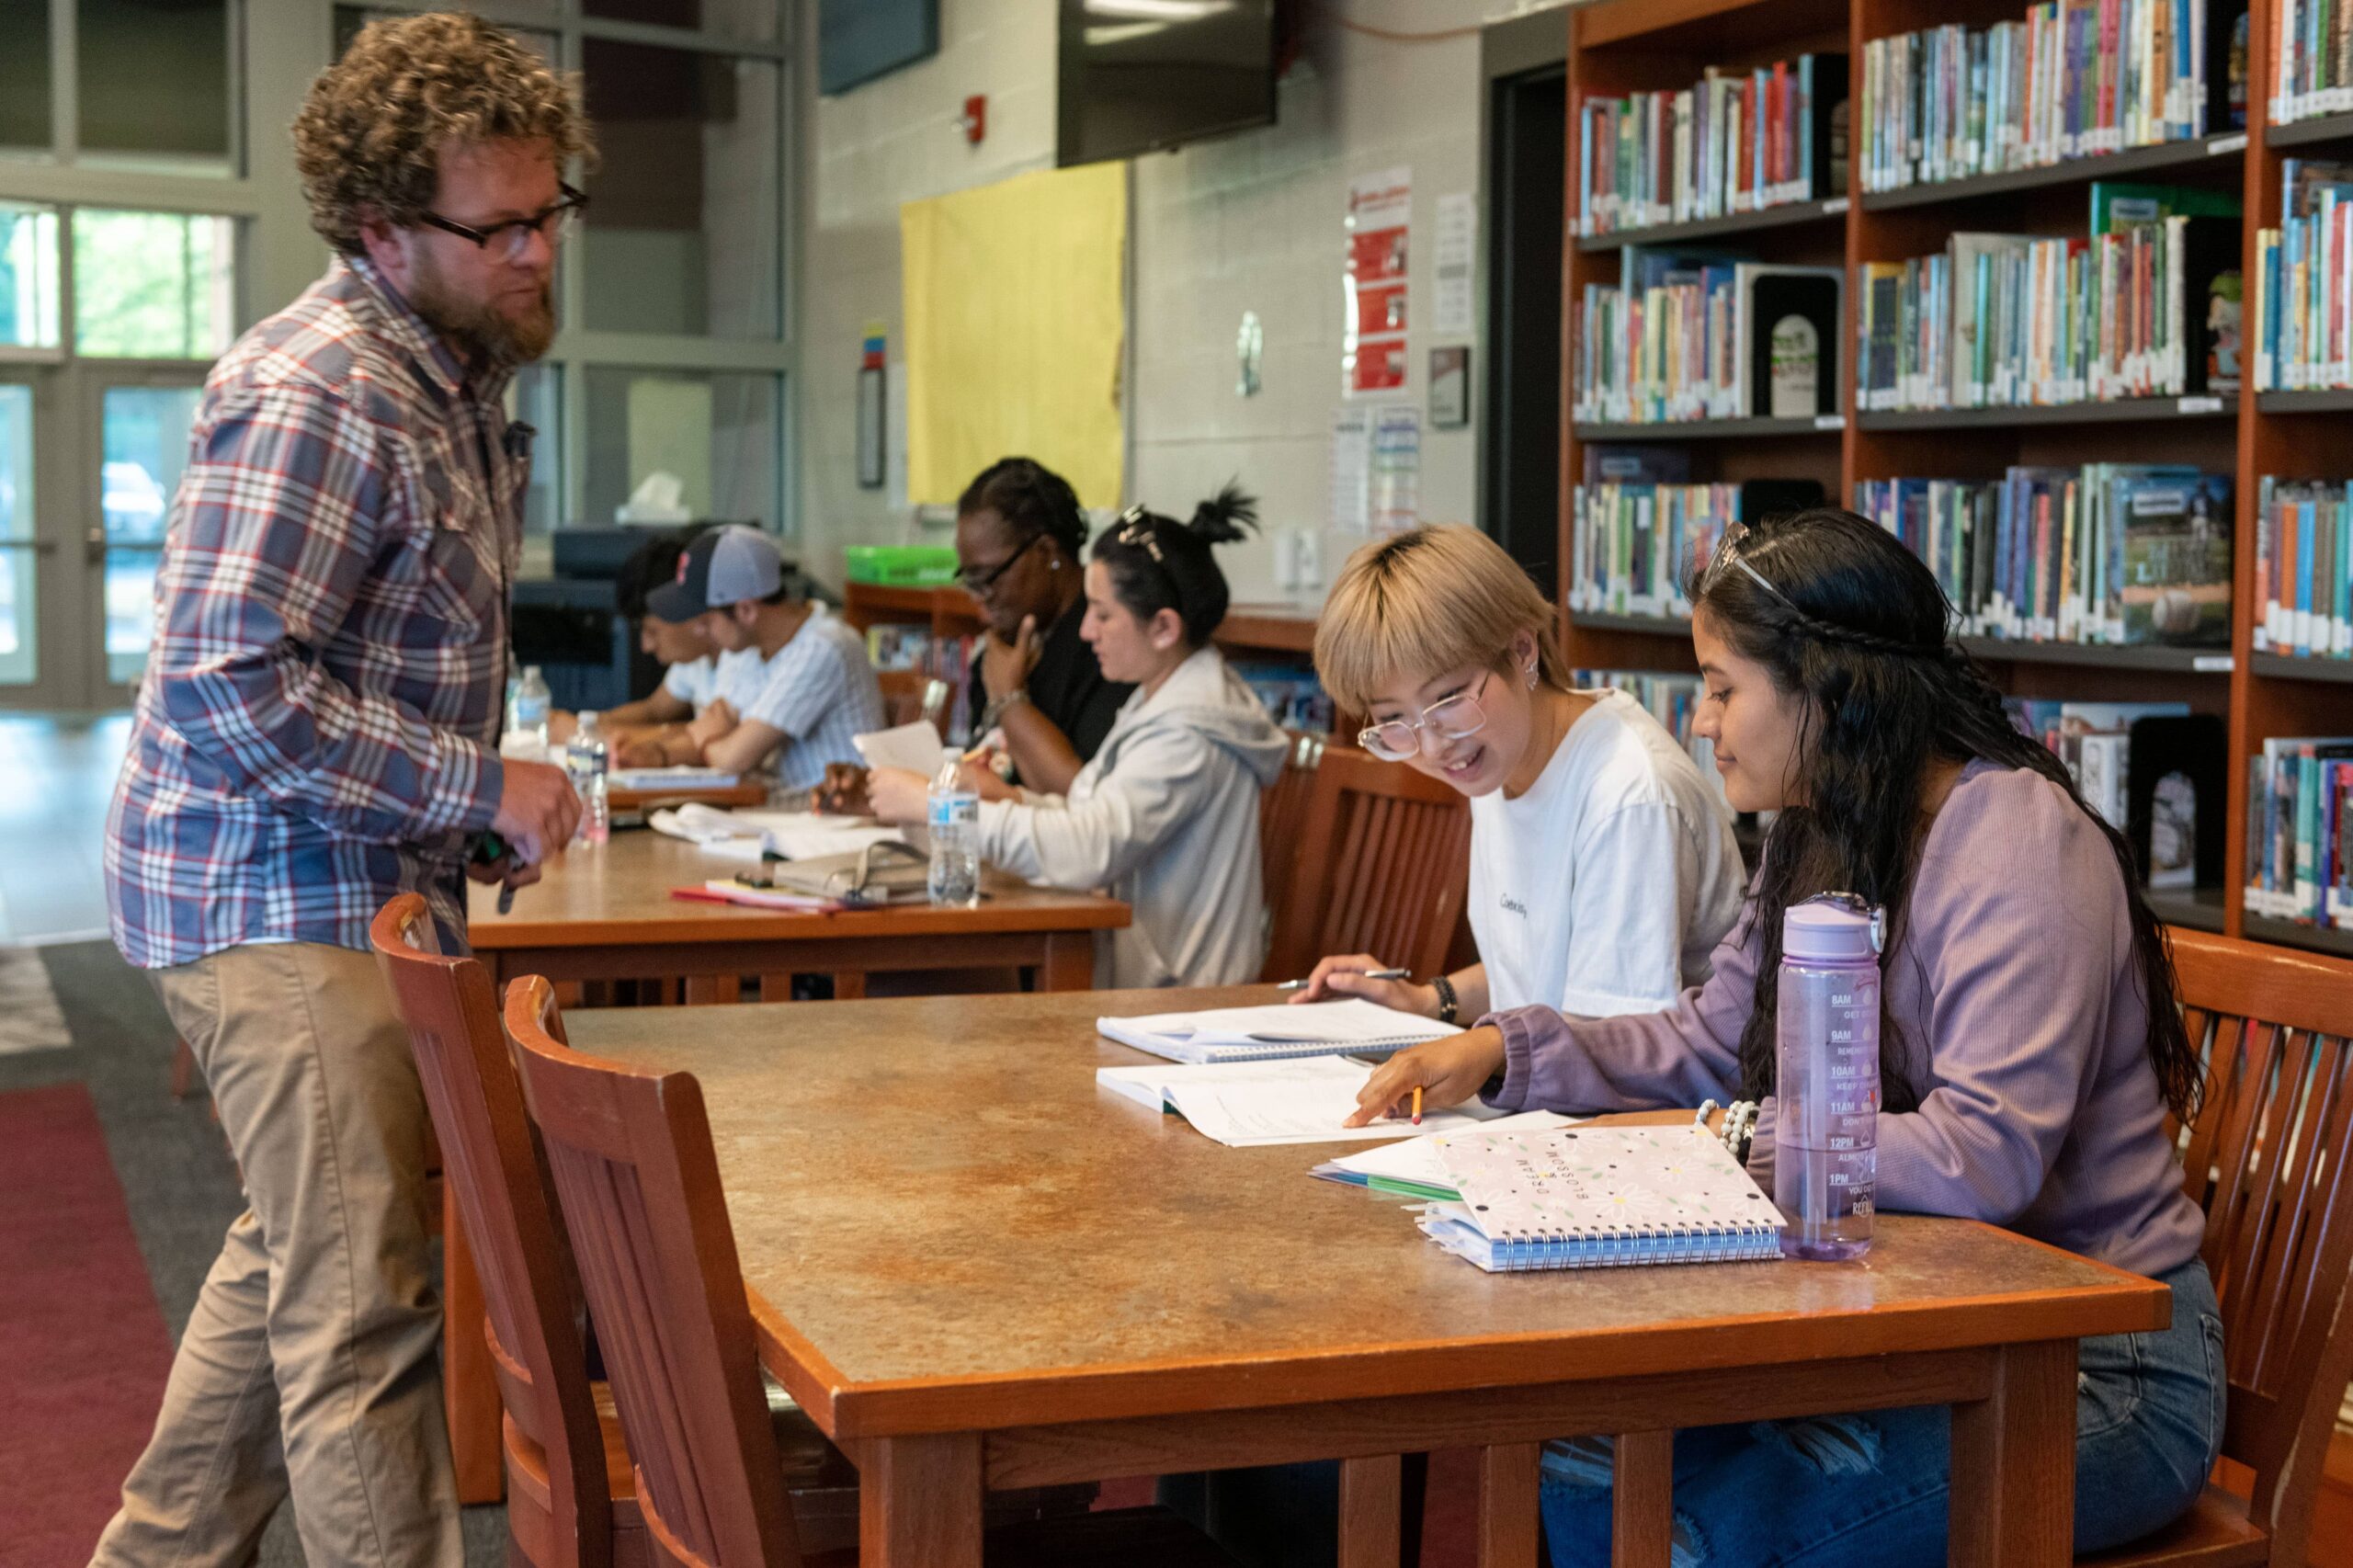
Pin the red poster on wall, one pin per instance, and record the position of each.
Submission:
(1374, 289)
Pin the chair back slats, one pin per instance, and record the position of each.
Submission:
(493, 1170)
(632, 1156)
(2270, 1160)
(1384, 862)
(1282, 813)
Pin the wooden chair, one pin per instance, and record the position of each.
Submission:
(1383, 864)
(1282, 814)
(570, 1497)
(2270, 1160)
(631, 1153)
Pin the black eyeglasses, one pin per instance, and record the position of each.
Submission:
(556, 226)
(977, 582)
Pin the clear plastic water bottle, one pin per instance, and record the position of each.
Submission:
(953, 817)
(1825, 1143)
(533, 704)
(585, 759)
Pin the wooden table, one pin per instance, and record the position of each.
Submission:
(977, 1270)
(606, 913)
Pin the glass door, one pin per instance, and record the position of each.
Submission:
(142, 428)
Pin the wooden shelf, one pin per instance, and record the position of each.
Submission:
(1654, 625)
(2139, 410)
(2305, 132)
(2330, 400)
(2075, 171)
(1798, 215)
(2288, 934)
(2199, 909)
(2288, 666)
(1274, 628)
(1710, 429)
(2098, 655)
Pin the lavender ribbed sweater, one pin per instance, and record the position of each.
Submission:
(2014, 977)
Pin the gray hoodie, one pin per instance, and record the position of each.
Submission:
(1164, 816)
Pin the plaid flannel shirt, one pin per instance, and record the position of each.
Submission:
(318, 726)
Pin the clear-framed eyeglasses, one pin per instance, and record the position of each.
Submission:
(1449, 718)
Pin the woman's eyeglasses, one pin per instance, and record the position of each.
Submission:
(510, 240)
(1449, 718)
(978, 581)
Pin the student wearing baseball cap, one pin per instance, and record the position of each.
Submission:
(815, 688)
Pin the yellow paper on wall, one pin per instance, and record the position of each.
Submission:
(1013, 319)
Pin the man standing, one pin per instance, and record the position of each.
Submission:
(316, 732)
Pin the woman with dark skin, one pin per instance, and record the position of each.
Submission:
(1019, 533)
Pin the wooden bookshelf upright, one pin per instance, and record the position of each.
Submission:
(1616, 46)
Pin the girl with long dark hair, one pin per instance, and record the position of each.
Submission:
(2031, 1047)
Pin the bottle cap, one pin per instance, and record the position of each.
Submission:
(1835, 927)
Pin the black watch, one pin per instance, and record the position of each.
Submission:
(1449, 1004)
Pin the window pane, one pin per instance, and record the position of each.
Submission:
(153, 285)
(717, 435)
(683, 231)
(146, 437)
(154, 78)
(18, 625)
(753, 19)
(24, 76)
(536, 397)
(28, 276)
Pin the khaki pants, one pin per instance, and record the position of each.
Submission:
(309, 1366)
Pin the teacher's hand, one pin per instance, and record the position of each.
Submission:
(1448, 1072)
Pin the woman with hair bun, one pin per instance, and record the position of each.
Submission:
(1165, 815)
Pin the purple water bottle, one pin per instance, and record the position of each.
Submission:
(1825, 1141)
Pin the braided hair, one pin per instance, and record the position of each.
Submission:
(1032, 499)
(1158, 562)
(1842, 615)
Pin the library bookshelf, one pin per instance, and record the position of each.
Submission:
(1622, 46)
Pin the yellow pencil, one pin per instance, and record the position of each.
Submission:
(1417, 1107)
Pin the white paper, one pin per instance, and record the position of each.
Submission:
(1454, 252)
(752, 835)
(1251, 1104)
(1195, 1037)
(1351, 477)
(683, 777)
(1416, 1159)
(1396, 462)
(915, 745)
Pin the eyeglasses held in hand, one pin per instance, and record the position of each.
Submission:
(1449, 718)
(510, 240)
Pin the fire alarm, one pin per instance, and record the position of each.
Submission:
(975, 117)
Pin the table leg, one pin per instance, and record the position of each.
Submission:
(1070, 961)
(469, 1388)
(1642, 1500)
(776, 986)
(919, 1502)
(1371, 1497)
(2013, 1464)
(1507, 1506)
(849, 985)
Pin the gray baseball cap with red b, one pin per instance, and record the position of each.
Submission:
(723, 567)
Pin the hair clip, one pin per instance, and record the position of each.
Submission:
(1136, 528)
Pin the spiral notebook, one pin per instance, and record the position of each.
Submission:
(1350, 1028)
(1599, 1197)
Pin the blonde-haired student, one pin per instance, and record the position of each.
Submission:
(1603, 869)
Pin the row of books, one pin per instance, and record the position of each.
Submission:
(2304, 568)
(2300, 831)
(2106, 553)
(2152, 769)
(1999, 321)
(2312, 64)
(894, 648)
(1637, 523)
(2303, 313)
(2074, 79)
(1732, 141)
(1292, 696)
(1688, 335)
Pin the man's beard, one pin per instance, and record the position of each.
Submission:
(488, 335)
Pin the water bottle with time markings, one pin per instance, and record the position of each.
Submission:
(1825, 1141)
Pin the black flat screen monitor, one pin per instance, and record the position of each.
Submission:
(1145, 75)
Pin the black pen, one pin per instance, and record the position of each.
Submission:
(1363, 974)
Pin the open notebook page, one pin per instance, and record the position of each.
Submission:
(1280, 1029)
(1298, 1100)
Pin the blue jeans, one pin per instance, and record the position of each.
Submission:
(1871, 1489)
(1823, 1492)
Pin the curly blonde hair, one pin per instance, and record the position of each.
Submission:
(368, 141)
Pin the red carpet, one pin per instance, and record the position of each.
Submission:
(84, 1351)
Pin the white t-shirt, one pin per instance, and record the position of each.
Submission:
(735, 675)
(1607, 886)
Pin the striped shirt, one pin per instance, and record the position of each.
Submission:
(318, 726)
(820, 691)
